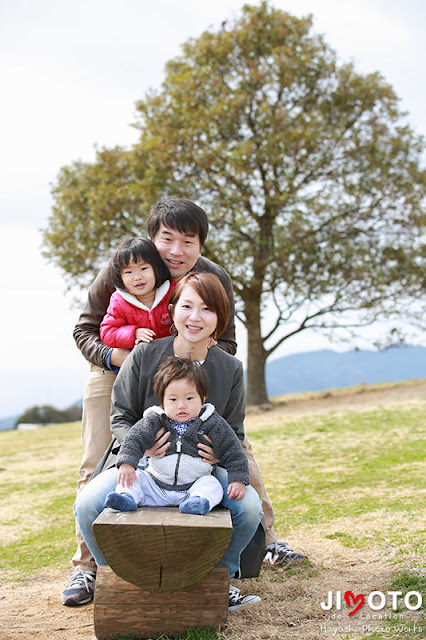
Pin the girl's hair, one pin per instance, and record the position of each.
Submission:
(136, 249)
(176, 368)
(211, 291)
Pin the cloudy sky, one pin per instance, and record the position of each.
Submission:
(71, 72)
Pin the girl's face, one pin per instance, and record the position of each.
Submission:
(139, 279)
(181, 401)
(193, 320)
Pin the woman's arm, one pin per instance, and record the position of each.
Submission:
(128, 400)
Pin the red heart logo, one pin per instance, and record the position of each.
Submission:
(360, 599)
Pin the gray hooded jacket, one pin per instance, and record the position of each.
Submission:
(182, 465)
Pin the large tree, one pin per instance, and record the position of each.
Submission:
(310, 175)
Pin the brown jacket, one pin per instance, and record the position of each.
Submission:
(86, 331)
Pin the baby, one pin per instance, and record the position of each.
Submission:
(180, 478)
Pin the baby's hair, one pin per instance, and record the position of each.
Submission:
(175, 368)
(137, 249)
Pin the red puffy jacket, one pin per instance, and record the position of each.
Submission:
(125, 314)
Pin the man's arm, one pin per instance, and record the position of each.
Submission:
(86, 331)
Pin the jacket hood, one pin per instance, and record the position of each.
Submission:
(206, 411)
(159, 295)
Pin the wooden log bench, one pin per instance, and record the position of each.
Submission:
(161, 576)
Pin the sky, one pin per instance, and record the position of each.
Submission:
(71, 72)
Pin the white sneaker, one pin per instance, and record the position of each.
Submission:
(236, 601)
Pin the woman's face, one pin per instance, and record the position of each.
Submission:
(192, 318)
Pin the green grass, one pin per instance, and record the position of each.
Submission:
(39, 472)
(332, 467)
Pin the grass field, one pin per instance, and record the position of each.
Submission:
(348, 488)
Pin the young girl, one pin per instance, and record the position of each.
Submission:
(137, 311)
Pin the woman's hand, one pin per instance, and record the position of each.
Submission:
(158, 450)
(126, 475)
(207, 453)
(144, 335)
(236, 490)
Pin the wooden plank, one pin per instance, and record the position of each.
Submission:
(160, 548)
(123, 608)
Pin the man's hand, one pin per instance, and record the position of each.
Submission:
(118, 356)
(207, 453)
(126, 475)
(158, 450)
(144, 335)
(236, 490)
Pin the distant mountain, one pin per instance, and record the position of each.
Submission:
(8, 423)
(327, 369)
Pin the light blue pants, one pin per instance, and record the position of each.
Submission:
(146, 492)
(246, 515)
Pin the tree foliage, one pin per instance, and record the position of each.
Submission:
(47, 414)
(310, 175)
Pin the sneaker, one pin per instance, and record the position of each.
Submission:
(280, 553)
(236, 601)
(80, 589)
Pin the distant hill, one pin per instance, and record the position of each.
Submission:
(8, 423)
(326, 369)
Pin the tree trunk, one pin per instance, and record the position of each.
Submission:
(256, 356)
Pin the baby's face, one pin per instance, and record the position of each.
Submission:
(182, 401)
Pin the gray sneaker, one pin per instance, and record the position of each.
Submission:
(280, 553)
(80, 589)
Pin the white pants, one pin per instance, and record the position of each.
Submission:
(146, 492)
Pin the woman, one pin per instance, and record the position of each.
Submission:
(199, 309)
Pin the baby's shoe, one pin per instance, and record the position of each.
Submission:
(120, 502)
(196, 505)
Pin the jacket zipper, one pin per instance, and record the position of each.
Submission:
(179, 452)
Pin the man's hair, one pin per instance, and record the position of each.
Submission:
(180, 214)
(136, 249)
(176, 368)
(211, 291)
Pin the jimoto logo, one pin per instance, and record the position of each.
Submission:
(376, 600)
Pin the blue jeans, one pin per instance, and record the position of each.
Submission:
(246, 515)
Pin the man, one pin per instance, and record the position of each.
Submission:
(178, 228)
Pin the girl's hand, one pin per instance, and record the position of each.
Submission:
(144, 335)
(236, 490)
(161, 445)
(126, 475)
(207, 453)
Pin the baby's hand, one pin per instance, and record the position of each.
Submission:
(126, 475)
(236, 490)
(144, 335)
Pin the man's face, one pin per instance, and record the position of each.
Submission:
(180, 251)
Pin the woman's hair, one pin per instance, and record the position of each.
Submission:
(179, 214)
(211, 291)
(137, 249)
(176, 368)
